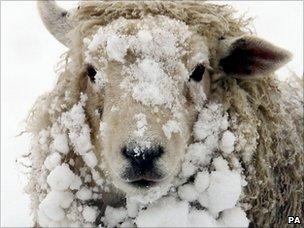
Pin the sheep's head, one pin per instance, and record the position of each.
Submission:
(148, 78)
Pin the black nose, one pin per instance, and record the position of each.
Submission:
(142, 159)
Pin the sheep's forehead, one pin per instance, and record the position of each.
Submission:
(156, 55)
(158, 38)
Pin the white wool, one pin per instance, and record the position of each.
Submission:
(200, 218)
(52, 161)
(84, 194)
(167, 212)
(90, 159)
(171, 127)
(114, 216)
(89, 213)
(188, 192)
(227, 142)
(224, 190)
(234, 217)
(61, 177)
(201, 181)
(220, 164)
(60, 143)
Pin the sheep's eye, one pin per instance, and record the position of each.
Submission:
(198, 73)
(91, 72)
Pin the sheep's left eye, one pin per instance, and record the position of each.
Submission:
(198, 73)
(91, 72)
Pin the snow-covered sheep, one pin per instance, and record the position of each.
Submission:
(165, 114)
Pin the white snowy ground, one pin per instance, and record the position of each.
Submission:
(28, 57)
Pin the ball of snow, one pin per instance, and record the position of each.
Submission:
(224, 190)
(199, 154)
(58, 198)
(210, 121)
(132, 208)
(234, 217)
(76, 183)
(82, 143)
(227, 142)
(165, 212)
(54, 224)
(60, 143)
(43, 219)
(89, 214)
(61, 177)
(188, 192)
(201, 181)
(220, 164)
(114, 216)
(203, 199)
(171, 127)
(52, 161)
(116, 47)
(51, 206)
(188, 169)
(90, 159)
(200, 218)
(144, 36)
(66, 199)
(128, 224)
(84, 194)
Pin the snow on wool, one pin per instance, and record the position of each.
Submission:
(143, 82)
(216, 191)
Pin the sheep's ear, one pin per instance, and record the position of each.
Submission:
(249, 56)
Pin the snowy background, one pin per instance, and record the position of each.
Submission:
(29, 55)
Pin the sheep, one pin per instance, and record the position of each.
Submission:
(131, 103)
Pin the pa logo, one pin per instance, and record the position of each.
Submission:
(294, 220)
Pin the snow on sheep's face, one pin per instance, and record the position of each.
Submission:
(149, 77)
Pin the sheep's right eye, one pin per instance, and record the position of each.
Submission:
(91, 72)
(198, 73)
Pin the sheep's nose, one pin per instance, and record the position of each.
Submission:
(142, 159)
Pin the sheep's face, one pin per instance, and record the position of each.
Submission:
(149, 77)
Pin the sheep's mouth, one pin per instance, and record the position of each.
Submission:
(143, 183)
